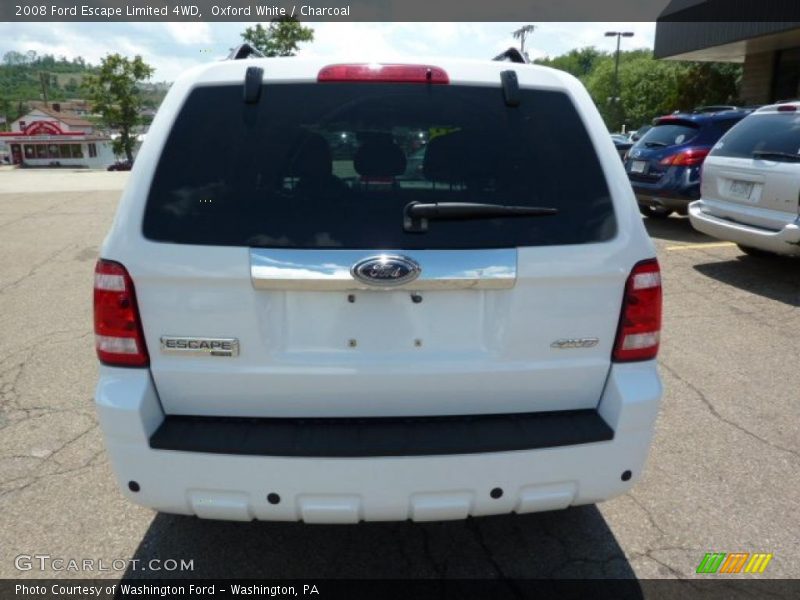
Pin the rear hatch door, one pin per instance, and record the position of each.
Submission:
(292, 242)
(757, 165)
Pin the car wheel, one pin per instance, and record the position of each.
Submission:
(655, 212)
(756, 252)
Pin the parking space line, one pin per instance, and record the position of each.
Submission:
(700, 246)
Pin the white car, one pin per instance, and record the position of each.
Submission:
(750, 191)
(289, 329)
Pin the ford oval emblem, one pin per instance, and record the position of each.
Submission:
(385, 270)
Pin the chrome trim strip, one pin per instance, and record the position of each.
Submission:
(179, 344)
(330, 270)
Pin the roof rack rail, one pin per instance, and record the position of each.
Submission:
(512, 55)
(244, 51)
(714, 108)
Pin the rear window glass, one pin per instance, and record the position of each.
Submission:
(765, 132)
(723, 126)
(670, 134)
(334, 165)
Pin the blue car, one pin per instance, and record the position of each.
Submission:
(664, 164)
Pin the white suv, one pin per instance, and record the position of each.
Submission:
(750, 192)
(297, 323)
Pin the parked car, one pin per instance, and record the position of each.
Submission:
(637, 135)
(664, 165)
(751, 184)
(280, 339)
(622, 143)
(121, 165)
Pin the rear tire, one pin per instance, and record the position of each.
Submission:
(655, 212)
(756, 252)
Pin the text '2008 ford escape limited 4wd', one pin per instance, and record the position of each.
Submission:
(295, 323)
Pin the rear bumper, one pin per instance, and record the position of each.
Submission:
(351, 489)
(380, 436)
(676, 204)
(674, 190)
(784, 241)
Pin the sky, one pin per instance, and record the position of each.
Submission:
(174, 47)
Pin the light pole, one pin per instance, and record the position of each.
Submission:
(619, 34)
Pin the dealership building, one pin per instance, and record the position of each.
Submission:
(47, 137)
(768, 51)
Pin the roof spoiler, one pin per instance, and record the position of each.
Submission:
(512, 55)
(244, 51)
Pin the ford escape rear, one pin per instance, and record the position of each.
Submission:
(298, 330)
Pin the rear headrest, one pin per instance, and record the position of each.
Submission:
(310, 157)
(379, 157)
(457, 157)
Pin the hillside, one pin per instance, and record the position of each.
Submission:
(25, 77)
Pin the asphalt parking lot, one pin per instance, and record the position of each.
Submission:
(722, 475)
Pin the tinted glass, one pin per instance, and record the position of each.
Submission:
(334, 165)
(771, 132)
(722, 127)
(670, 134)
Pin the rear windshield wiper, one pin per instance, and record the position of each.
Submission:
(659, 144)
(417, 214)
(776, 155)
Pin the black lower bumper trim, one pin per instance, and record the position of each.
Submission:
(380, 436)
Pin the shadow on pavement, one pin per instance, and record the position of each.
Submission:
(675, 229)
(777, 278)
(574, 543)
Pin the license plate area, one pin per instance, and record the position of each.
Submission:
(375, 324)
(741, 190)
(639, 166)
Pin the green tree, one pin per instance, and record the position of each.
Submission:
(114, 91)
(647, 88)
(709, 83)
(281, 38)
(5, 111)
(579, 62)
(14, 58)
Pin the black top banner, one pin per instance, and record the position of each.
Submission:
(401, 10)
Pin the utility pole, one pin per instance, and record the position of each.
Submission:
(44, 80)
(619, 34)
(615, 99)
(521, 33)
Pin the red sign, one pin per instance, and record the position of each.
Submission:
(43, 128)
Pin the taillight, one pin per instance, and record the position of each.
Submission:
(117, 328)
(687, 158)
(640, 321)
(378, 73)
(787, 108)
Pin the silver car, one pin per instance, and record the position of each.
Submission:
(750, 192)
